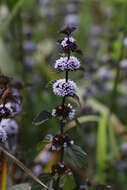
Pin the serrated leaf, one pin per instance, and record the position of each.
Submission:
(23, 186)
(42, 117)
(78, 157)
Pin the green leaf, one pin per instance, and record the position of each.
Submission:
(78, 157)
(42, 117)
(69, 183)
(23, 186)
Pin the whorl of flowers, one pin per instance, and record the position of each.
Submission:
(64, 88)
(67, 41)
(63, 112)
(70, 64)
(59, 141)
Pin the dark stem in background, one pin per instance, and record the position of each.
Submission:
(66, 76)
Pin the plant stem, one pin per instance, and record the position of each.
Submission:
(66, 76)
(62, 125)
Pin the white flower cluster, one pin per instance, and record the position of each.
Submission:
(64, 64)
(63, 88)
(65, 42)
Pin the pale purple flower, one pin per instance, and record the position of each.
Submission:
(29, 46)
(3, 135)
(125, 42)
(45, 157)
(14, 108)
(63, 88)
(65, 41)
(70, 64)
(72, 20)
(28, 31)
(29, 61)
(3, 109)
(123, 64)
(37, 170)
(10, 126)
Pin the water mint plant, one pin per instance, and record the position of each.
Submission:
(69, 154)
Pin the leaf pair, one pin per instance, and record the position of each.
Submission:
(76, 157)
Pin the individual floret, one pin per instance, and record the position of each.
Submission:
(70, 64)
(63, 88)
